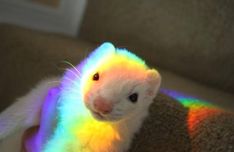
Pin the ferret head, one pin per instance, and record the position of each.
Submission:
(116, 83)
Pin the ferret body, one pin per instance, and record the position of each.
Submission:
(98, 106)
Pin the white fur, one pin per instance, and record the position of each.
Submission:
(24, 113)
(129, 115)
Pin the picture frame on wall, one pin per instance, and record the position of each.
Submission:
(64, 17)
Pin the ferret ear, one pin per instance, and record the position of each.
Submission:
(106, 47)
(153, 81)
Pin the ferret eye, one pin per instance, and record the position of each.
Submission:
(96, 77)
(133, 97)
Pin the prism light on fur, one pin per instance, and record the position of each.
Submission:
(98, 106)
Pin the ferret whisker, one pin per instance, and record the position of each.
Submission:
(75, 74)
(72, 81)
(72, 90)
(72, 66)
(53, 82)
(70, 70)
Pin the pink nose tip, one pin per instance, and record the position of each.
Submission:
(102, 106)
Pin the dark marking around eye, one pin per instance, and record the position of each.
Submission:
(133, 97)
(96, 76)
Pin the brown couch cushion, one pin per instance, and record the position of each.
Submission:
(191, 38)
(173, 128)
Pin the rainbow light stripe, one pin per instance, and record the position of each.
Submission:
(76, 129)
(113, 60)
(199, 110)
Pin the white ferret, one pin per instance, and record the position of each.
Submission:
(97, 106)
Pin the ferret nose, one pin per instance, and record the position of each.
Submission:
(102, 105)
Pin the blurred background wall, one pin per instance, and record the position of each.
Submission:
(60, 16)
(51, 3)
(191, 38)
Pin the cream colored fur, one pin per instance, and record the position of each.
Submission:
(26, 112)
